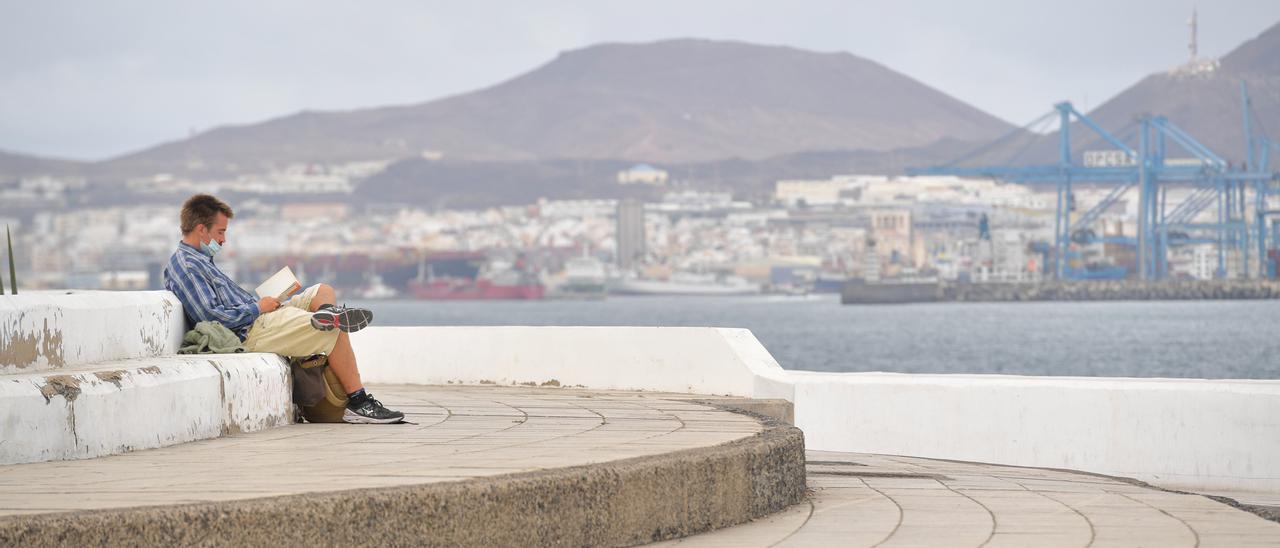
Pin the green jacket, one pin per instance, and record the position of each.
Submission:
(210, 338)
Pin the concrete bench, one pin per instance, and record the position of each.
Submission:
(120, 406)
(47, 331)
(96, 373)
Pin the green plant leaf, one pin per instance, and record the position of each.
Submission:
(13, 268)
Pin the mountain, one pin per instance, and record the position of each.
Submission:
(665, 102)
(1204, 100)
(461, 185)
(1258, 56)
(14, 165)
(1208, 104)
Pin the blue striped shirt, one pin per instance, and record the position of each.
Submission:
(207, 293)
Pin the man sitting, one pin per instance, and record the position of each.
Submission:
(308, 323)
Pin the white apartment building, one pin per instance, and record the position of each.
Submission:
(823, 192)
(642, 174)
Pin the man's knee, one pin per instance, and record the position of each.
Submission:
(324, 295)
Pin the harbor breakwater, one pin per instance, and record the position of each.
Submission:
(1110, 290)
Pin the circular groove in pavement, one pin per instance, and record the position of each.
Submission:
(1080, 509)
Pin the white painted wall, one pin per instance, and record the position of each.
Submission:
(670, 359)
(140, 404)
(45, 331)
(1178, 433)
(1182, 433)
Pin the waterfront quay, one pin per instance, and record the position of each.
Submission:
(478, 460)
(860, 292)
(602, 436)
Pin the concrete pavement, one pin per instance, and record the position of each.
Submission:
(515, 465)
(877, 500)
(481, 466)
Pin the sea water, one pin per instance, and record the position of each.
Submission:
(1189, 339)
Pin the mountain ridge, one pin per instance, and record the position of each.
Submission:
(754, 103)
(682, 100)
(1207, 105)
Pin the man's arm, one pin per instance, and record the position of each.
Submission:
(195, 290)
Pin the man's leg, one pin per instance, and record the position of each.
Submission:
(292, 331)
(342, 360)
(343, 363)
(343, 319)
(324, 295)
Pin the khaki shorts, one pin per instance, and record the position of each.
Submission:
(287, 330)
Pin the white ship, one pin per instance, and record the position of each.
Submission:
(584, 278)
(684, 283)
(376, 289)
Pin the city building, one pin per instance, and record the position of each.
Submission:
(823, 192)
(642, 174)
(892, 231)
(630, 234)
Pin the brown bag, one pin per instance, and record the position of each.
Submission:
(317, 390)
(308, 379)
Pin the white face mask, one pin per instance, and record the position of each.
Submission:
(210, 248)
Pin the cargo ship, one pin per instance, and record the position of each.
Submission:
(684, 283)
(584, 278)
(471, 276)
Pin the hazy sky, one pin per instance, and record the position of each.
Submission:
(91, 80)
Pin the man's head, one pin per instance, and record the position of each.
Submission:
(204, 220)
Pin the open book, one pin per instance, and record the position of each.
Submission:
(280, 285)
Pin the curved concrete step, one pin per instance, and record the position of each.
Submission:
(120, 406)
(47, 330)
(481, 466)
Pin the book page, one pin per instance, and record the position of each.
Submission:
(280, 285)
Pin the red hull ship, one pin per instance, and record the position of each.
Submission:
(465, 276)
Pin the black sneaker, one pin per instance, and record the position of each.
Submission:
(341, 317)
(371, 411)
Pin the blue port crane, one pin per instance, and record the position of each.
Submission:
(1149, 168)
(1266, 184)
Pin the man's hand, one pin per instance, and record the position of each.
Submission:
(268, 304)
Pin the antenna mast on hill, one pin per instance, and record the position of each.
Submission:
(1192, 45)
(1195, 66)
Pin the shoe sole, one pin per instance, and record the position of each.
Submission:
(349, 320)
(352, 418)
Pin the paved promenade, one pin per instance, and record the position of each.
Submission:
(530, 436)
(461, 433)
(877, 500)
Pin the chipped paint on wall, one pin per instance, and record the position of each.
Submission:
(66, 386)
(50, 331)
(141, 404)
